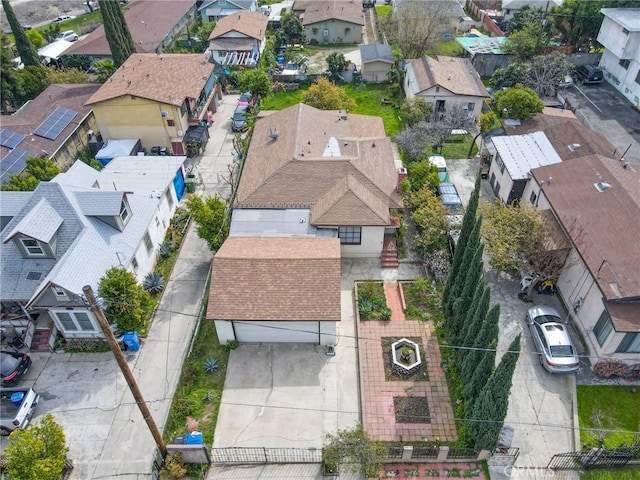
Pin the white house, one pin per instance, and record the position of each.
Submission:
(68, 232)
(511, 7)
(620, 37)
(441, 80)
(515, 157)
(597, 201)
(239, 39)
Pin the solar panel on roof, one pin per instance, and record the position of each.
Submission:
(55, 123)
(13, 163)
(10, 139)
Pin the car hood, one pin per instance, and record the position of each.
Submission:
(540, 310)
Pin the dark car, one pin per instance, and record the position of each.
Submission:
(239, 119)
(13, 365)
(247, 98)
(588, 74)
(159, 151)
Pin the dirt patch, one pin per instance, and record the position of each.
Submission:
(411, 409)
(37, 12)
(390, 372)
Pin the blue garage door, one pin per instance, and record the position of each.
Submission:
(178, 184)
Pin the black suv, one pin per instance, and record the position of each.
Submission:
(588, 74)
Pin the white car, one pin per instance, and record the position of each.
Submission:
(62, 18)
(68, 35)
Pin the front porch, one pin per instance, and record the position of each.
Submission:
(389, 257)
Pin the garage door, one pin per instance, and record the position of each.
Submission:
(277, 332)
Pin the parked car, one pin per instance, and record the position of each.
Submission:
(13, 366)
(441, 164)
(588, 74)
(68, 35)
(550, 335)
(158, 151)
(247, 98)
(239, 119)
(62, 18)
(452, 203)
(16, 408)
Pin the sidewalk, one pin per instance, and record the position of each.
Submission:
(130, 449)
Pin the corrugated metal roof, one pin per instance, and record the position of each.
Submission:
(522, 153)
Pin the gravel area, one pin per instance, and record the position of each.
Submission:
(37, 12)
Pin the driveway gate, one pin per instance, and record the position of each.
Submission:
(595, 458)
(263, 455)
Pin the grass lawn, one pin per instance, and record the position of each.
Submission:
(460, 149)
(383, 11)
(367, 97)
(624, 474)
(450, 48)
(617, 408)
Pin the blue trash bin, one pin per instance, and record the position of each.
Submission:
(16, 398)
(132, 341)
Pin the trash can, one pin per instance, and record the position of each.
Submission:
(194, 438)
(132, 341)
(190, 183)
(16, 398)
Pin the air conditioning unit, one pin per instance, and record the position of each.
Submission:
(164, 114)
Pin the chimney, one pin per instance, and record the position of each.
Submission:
(402, 175)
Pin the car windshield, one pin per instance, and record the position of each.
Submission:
(561, 351)
(239, 116)
(542, 319)
(245, 97)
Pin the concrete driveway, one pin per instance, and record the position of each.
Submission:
(603, 109)
(541, 404)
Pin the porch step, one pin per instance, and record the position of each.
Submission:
(389, 259)
(40, 340)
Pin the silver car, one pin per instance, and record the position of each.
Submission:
(557, 353)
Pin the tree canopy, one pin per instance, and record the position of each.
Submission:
(210, 215)
(290, 32)
(128, 304)
(254, 80)
(336, 63)
(518, 102)
(26, 49)
(116, 31)
(353, 450)
(325, 95)
(37, 169)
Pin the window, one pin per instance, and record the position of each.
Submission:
(624, 64)
(75, 321)
(532, 198)
(124, 211)
(630, 343)
(32, 247)
(437, 89)
(134, 264)
(638, 77)
(500, 163)
(169, 199)
(147, 241)
(603, 328)
(171, 123)
(350, 235)
(59, 292)
(625, 31)
(471, 106)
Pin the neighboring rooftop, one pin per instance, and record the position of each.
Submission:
(320, 10)
(168, 78)
(604, 225)
(150, 23)
(268, 278)
(453, 73)
(482, 45)
(629, 18)
(522, 153)
(376, 51)
(250, 24)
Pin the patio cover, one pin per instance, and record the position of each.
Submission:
(55, 49)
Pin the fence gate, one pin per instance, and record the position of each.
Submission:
(262, 455)
(595, 458)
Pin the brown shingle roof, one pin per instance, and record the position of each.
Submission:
(453, 73)
(603, 225)
(251, 24)
(260, 278)
(315, 150)
(32, 115)
(346, 10)
(149, 22)
(166, 78)
(563, 131)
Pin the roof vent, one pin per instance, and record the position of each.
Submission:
(602, 186)
(574, 146)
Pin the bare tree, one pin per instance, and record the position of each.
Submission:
(415, 26)
(545, 72)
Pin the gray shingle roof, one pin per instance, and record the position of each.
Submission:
(12, 203)
(97, 204)
(41, 223)
(376, 51)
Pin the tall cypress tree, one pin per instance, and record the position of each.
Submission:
(487, 336)
(10, 81)
(487, 414)
(477, 296)
(117, 32)
(463, 302)
(473, 322)
(26, 49)
(468, 222)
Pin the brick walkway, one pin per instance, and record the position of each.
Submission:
(377, 393)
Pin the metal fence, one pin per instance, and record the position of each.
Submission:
(462, 453)
(262, 455)
(425, 452)
(595, 458)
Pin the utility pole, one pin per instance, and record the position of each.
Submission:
(122, 363)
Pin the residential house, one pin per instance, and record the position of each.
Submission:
(596, 199)
(448, 12)
(511, 7)
(270, 289)
(377, 60)
(68, 232)
(439, 80)
(620, 37)
(214, 10)
(316, 186)
(153, 26)
(331, 21)
(516, 156)
(159, 99)
(55, 124)
(239, 39)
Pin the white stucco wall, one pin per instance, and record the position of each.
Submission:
(503, 179)
(336, 32)
(623, 79)
(533, 187)
(328, 333)
(371, 246)
(375, 71)
(436, 93)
